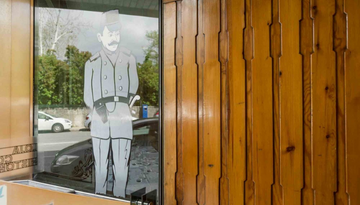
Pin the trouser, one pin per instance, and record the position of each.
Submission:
(120, 149)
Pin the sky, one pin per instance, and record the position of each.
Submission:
(132, 32)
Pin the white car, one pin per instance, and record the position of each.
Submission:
(56, 124)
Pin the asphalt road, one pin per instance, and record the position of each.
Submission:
(49, 141)
(144, 164)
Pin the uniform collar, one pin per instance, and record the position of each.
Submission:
(111, 56)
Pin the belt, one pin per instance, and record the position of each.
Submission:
(102, 101)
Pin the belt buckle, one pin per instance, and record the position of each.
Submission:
(116, 98)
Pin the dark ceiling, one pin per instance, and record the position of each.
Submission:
(130, 7)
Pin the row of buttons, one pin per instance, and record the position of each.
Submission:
(105, 62)
(120, 77)
(106, 91)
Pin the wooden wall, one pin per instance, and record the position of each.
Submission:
(262, 102)
(15, 76)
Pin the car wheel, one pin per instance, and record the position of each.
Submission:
(57, 128)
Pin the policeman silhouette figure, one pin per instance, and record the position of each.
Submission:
(110, 83)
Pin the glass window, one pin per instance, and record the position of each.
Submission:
(41, 116)
(97, 76)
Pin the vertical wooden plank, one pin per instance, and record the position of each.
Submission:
(306, 50)
(277, 190)
(340, 47)
(200, 49)
(248, 56)
(179, 182)
(234, 141)
(291, 106)
(169, 93)
(262, 103)
(211, 100)
(324, 103)
(188, 100)
(31, 99)
(20, 68)
(5, 68)
(223, 56)
(352, 101)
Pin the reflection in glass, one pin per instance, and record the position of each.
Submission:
(73, 41)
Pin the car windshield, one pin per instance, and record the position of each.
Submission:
(52, 115)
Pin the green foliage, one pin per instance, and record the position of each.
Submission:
(61, 82)
(148, 72)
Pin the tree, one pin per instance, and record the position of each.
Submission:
(61, 82)
(75, 79)
(148, 72)
(58, 28)
(50, 80)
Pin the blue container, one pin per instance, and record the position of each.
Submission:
(144, 111)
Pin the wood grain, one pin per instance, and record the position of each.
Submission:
(20, 68)
(188, 90)
(352, 101)
(248, 56)
(306, 50)
(283, 100)
(211, 100)
(200, 49)
(262, 103)
(291, 103)
(340, 48)
(234, 141)
(324, 103)
(5, 68)
(277, 190)
(169, 124)
(179, 66)
(224, 58)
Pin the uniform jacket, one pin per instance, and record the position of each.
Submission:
(104, 79)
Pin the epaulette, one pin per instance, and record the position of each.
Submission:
(94, 57)
(125, 50)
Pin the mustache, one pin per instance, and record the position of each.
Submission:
(113, 43)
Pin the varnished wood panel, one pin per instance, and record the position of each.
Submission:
(16, 78)
(277, 189)
(306, 50)
(248, 56)
(291, 103)
(352, 101)
(234, 138)
(278, 80)
(262, 103)
(188, 107)
(324, 103)
(169, 123)
(340, 48)
(20, 68)
(5, 68)
(211, 112)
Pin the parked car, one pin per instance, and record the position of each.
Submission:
(48, 122)
(87, 122)
(76, 161)
(157, 114)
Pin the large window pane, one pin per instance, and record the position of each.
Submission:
(96, 93)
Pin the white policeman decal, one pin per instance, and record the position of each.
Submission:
(110, 84)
